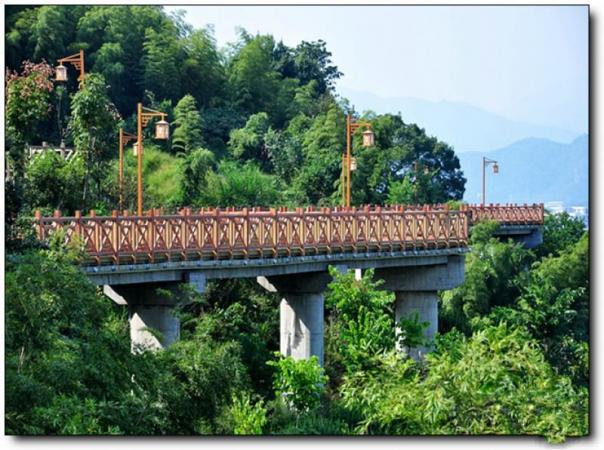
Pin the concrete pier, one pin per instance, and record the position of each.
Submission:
(301, 312)
(153, 324)
(416, 290)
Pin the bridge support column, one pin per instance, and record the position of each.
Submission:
(416, 291)
(151, 310)
(425, 304)
(301, 312)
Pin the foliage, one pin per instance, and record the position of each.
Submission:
(247, 418)
(554, 306)
(187, 126)
(361, 320)
(248, 142)
(491, 269)
(559, 232)
(28, 97)
(411, 332)
(299, 383)
(196, 166)
(53, 182)
(495, 382)
(240, 186)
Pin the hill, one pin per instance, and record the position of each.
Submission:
(465, 127)
(531, 170)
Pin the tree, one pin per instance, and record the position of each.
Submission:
(404, 151)
(247, 143)
(494, 382)
(490, 272)
(361, 322)
(161, 59)
(322, 145)
(187, 126)
(284, 152)
(93, 126)
(254, 83)
(554, 306)
(203, 71)
(52, 182)
(313, 63)
(560, 231)
(196, 166)
(299, 383)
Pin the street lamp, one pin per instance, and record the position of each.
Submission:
(347, 160)
(77, 60)
(124, 139)
(162, 131)
(486, 162)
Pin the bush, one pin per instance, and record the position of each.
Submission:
(299, 383)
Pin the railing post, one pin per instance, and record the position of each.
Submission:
(38, 217)
(78, 222)
(95, 231)
(246, 229)
(274, 229)
(152, 232)
(115, 237)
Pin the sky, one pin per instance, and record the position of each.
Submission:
(526, 63)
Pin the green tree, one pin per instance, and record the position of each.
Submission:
(162, 56)
(187, 126)
(196, 166)
(491, 269)
(322, 145)
(203, 70)
(560, 231)
(554, 306)
(52, 182)
(494, 382)
(313, 63)
(247, 143)
(361, 322)
(299, 383)
(93, 126)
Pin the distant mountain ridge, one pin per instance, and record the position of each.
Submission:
(531, 170)
(465, 127)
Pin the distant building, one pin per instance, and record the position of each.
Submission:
(554, 207)
(62, 150)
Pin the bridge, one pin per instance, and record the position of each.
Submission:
(417, 250)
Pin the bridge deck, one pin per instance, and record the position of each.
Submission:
(256, 234)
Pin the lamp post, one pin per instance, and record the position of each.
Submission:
(347, 162)
(162, 131)
(486, 162)
(124, 139)
(77, 60)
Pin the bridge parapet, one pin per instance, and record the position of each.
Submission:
(508, 214)
(256, 233)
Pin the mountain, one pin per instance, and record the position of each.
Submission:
(531, 170)
(465, 127)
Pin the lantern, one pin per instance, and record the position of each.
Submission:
(162, 130)
(353, 163)
(61, 73)
(495, 168)
(368, 138)
(135, 148)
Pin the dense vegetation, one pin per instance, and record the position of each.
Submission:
(259, 123)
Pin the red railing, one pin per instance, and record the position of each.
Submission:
(257, 233)
(508, 214)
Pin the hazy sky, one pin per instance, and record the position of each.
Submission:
(528, 63)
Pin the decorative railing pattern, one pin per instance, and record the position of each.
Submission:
(508, 214)
(256, 233)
